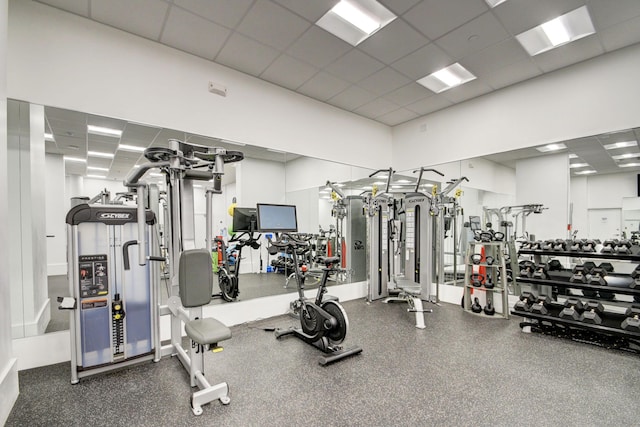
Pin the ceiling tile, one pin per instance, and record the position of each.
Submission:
(312, 10)
(398, 7)
(408, 94)
(288, 72)
(354, 66)
(605, 16)
(376, 108)
(352, 98)
(323, 86)
(522, 15)
(101, 146)
(621, 35)
(273, 25)
(99, 162)
(397, 117)
(423, 62)
(223, 12)
(429, 105)
(384, 81)
(434, 18)
(106, 122)
(68, 142)
(511, 74)
(467, 91)
(136, 132)
(495, 57)
(68, 128)
(473, 36)
(568, 54)
(246, 55)
(393, 42)
(142, 17)
(79, 7)
(318, 47)
(193, 34)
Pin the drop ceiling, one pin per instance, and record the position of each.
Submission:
(278, 41)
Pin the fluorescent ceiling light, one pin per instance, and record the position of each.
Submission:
(564, 29)
(403, 181)
(100, 154)
(74, 159)
(586, 172)
(622, 144)
(578, 165)
(95, 168)
(629, 165)
(355, 20)
(494, 3)
(99, 130)
(96, 176)
(625, 156)
(49, 137)
(447, 78)
(551, 147)
(380, 183)
(338, 184)
(126, 147)
(226, 141)
(573, 156)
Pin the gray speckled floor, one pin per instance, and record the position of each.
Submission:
(460, 370)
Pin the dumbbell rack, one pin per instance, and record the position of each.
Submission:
(495, 249)
(611, 323)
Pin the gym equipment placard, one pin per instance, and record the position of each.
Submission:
(93, 276)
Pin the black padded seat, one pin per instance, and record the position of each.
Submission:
(328, 260)
(207, 331)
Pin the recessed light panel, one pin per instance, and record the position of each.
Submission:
(355, 20)
(96, 176)
(585, 172)
(126, 147)
(447, 78)
(622, 144)
(49, 137)
(95, 168)
(74, 159)
(564, 29)
(629, 165)
(626, 156)
(573, 156)
(100, 154)
(99, 130)
(578, 165)
(494, 3)
(551, 147)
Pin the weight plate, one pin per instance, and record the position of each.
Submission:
(337, 334)
(158, 154)
(228, 285)
(309, 321)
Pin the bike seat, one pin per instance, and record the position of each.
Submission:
(328, 260)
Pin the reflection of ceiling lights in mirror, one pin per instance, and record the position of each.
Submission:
(551, 147)
(629, 165)
(578, 165)
(74, 159)
(96, 176)
(127, 147)
(621, 144)
(586, 172)
(155, 174)
(625, 156)
(99, 130)
(447, 78)
(556, 32)
(226, 141)
(95, 168)
(355, 20)
(573, 156)
(494, 3)
(403, 181)
(100, 154)
(49, 137)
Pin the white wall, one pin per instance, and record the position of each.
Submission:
(57, 59)
(304, 172)
(545, 180)
(595, 96)
(8, 363)
(55, 215)
(580, 200)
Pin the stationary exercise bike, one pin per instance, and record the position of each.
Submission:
(228, 272)
(324, 323)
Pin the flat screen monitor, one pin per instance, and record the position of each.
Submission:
(245, 219)
(277, 218)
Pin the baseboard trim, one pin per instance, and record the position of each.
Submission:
(8, 388)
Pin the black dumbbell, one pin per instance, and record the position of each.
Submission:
(540, 271)
(597, 276)
(476, 307)
(588, 266)
(547, 245)
(560, 245)
(526, 301)
(541, 305)
(555, 265)
(489, 309)
(632, 322)
(592, 313)
(579, 275)
(572, 309)
(635, 275)
(576, 246)
(526, 269)
(608, 246)
(589, 246)
(606, 266)
(623, 247)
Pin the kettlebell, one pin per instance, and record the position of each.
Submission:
(476, 279)
(475, 307)
(489, 310)
(489, 283)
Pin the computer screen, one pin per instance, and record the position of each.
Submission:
(245, 219)
(474, 223)
(277, 218)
